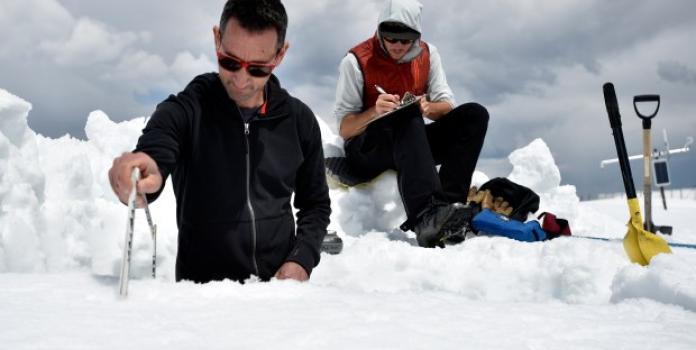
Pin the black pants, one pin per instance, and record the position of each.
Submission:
(413, 149)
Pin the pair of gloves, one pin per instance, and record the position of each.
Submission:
(486, 200)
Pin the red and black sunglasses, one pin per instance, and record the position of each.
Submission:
(233, 64)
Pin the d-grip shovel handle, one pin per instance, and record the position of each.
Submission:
(646, 98)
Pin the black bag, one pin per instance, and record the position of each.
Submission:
(521, 199)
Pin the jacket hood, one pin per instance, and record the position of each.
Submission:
(407, 12)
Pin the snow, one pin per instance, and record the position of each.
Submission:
(61, 235)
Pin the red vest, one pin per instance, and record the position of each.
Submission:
(395, 78)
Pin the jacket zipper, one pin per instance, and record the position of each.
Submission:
(248, 193)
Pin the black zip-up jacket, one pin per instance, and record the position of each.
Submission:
(233, 181)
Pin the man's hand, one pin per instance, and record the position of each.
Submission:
(434, 110)
(426, 108)
(355, 124)
(292, 270)
(386, 103)
(120, 176)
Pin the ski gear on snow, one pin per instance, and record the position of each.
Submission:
(501, 208)
(640, 245)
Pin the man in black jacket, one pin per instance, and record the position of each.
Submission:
(237, 146)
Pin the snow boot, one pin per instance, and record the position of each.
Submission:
(439, 221)
(466, 231)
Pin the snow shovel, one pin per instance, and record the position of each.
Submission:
(647, 162)
(640, 245)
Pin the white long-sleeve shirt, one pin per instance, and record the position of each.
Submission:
(349, 89)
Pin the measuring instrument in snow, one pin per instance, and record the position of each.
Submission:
(128, 245)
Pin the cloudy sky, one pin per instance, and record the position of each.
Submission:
(538, 65)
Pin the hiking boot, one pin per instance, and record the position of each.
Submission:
(440, 221)
(466, 231)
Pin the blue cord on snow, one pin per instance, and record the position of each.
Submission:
(678, 245)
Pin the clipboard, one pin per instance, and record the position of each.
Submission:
(409, 107)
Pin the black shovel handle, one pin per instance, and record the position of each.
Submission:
(646, 98)
(615, 122)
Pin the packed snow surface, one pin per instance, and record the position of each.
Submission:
(62, 232)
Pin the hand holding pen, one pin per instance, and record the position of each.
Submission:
(386, 102)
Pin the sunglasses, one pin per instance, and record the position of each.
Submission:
(234, 64)
(394, 41)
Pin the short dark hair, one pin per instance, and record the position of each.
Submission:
(256, 16)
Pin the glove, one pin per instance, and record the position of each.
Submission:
(486, 200)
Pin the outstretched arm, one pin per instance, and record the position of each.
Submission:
(157, 151)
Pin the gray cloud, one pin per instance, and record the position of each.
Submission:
(537, 65)
(507, 48)
(676, 72)
(75, 57)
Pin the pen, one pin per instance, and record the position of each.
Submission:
(380, 90)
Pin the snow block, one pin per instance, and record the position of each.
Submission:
(13, 118)
(534, 167)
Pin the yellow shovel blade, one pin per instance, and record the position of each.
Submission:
(632, 247)
(641, 245)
